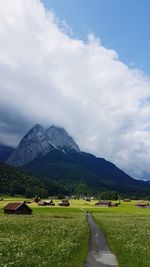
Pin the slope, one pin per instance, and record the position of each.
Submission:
(97, 174)
(16, 181)
(5, 152)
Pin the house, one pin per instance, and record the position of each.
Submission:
(143, 204)
(126, 200)
(41, 203)
(50, 203)
(103, 203)
(64, 203)
(115, 204)
(37, 199)
(17, 208)
(46, 203)
(88, 199)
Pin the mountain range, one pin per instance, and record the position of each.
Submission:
(53, 154)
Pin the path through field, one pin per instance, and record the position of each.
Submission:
(99, 254)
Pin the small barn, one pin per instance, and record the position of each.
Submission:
(64, 203)
(41, 203)
(50, 203)
(143, 204)
(103, 203)
(46, 203)
(88, 199)
(17, 208)
(127, 200)
(115, 204)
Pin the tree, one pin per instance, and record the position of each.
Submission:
(111, 195)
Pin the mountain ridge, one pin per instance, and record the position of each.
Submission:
(52, 153)
(38, 142)
(97, 174)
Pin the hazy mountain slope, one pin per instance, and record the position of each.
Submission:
(5, 152)
(97, 173)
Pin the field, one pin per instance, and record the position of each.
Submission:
(50, 237)
(58, 236)
(127, 229)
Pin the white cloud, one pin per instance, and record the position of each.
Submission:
(49, 77)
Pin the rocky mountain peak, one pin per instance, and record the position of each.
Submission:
(34, 144)
(38, 142)
(37, 128)
(35, 132)
(60, 138)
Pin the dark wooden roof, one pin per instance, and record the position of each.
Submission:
(142, 204)
(104, 202)
(14, 206)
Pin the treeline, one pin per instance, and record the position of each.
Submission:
(14, 181)
(113, 195)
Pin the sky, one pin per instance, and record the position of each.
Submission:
(81, 65)
(120, 25)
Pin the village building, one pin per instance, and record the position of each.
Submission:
(88, 199)
(143, 204)
(103, 203)
(17, 208)
(46, 203)
(126, 200)
(115, 204)
(64, 203)
(41, 203)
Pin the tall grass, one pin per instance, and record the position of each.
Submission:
(43, 240)
(128, 235)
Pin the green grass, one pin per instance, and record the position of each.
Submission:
(127, 230)
(51, 237)
(58, 236)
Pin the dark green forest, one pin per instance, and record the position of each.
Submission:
(15, 181)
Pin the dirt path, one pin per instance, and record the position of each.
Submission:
(99, 254)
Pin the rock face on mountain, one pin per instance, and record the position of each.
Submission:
(38, 142)
(33, 144)
(60, 139)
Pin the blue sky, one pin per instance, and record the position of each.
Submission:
(122, 25)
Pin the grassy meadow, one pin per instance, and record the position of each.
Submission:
(127, 230)
(58, 236)
(51, 237)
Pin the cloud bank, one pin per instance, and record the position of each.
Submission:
(51, 78)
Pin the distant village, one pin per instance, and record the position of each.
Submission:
(24, 207)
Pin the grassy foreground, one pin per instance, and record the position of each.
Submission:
(127, 230)
(58, 236)
(51, 237)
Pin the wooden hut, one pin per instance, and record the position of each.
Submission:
(17, 208)
(143, 204)
(64, 203)
(46, 203)
(103, 203)
(127, 200)
(41, 203)
(51, 203)
(115, 204)
(88, 199)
